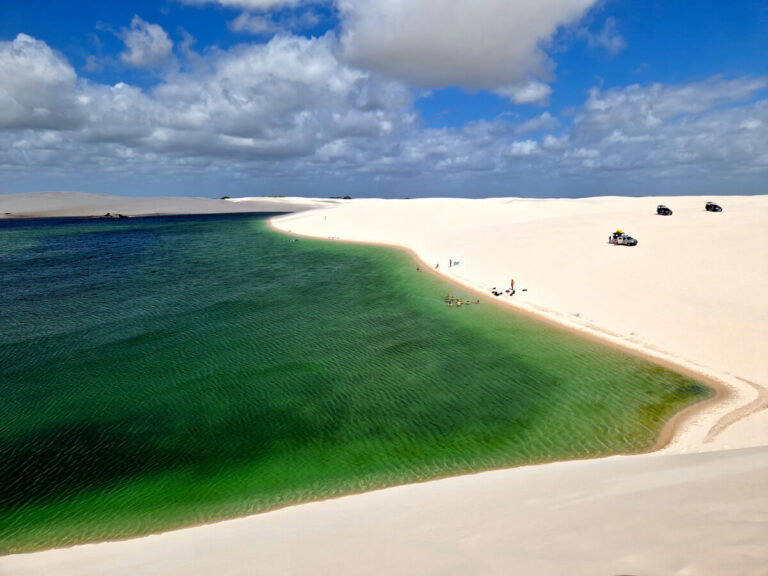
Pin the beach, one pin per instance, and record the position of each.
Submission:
(691, 294)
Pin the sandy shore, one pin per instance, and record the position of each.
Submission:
(693, 293)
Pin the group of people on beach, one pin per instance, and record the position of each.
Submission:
(451, 300)
(510, 290)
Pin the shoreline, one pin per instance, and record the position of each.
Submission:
(740, 399)
(587, 495)
(671, 429)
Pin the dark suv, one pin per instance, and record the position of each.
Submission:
(712, 207)
(663, 210)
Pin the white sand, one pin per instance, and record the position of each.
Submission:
(53, 204)
(694, 292)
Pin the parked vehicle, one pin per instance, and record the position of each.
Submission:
(663, 210)
(712, 207)
(619, 238)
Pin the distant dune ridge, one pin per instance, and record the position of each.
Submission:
(693, 293)
(54, 204)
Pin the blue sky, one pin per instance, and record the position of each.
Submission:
(382, 98)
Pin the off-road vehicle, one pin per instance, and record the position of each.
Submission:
(712, 207)
(619, 238)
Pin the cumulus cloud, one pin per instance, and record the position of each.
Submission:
(667, 129)
(544, 121)
(639, 108)
(524, 148)
(37, 86)
(529, 93)
(484, 44)
(283, 99)
(550, 142)
(290, 108)
(147, 45)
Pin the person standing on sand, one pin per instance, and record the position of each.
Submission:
(512, 286)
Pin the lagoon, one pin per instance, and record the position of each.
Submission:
(169, 371)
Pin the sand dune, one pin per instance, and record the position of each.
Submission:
(693, 292)
(56, 204)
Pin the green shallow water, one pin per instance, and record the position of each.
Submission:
(163, 372)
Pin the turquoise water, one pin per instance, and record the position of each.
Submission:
(163, 372)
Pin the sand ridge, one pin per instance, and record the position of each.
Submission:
(74, 204)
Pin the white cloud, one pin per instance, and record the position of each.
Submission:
(283, 99)
(436, 43)
(608, 38)
(531, 92)
(637, 109)
(550, 142)
(266, 24)
(290, 109)
(667, 129)
(252, 24)
(36, 86)
(544, 121)
(582, 153)
(750, 124)
(148, 45)
(618, 137)
(524, 148)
